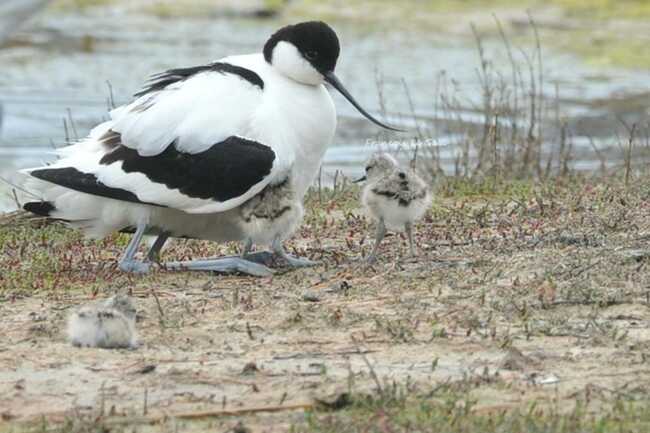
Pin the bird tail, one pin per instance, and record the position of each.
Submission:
(76, 209)
(40, 208)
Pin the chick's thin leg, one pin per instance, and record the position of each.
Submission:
(379, 236)
(409, 232)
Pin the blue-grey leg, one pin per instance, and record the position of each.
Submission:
(128, 262)
(260, 257)
(154, 253)
(409, 232)
(266, 258)
(223, 264)
(296, 262)
(379, 236)
(226, 265)
(248, 246)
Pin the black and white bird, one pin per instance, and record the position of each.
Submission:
(395, 198)
(109, 324)
(222, 152)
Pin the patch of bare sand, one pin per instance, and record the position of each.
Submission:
(259, 345)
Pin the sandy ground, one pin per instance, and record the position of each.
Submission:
(545, 300)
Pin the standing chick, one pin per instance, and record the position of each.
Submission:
(394, 197)
(108, 325)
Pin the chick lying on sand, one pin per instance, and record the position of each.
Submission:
(395, 197)
(108, 325)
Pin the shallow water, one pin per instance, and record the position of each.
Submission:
(63, 62)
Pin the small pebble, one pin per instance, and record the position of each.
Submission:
(310, 297)
(250, 369)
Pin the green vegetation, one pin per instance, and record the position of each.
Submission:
(636, 9)
(400, 409)
(599, 9)
(605, 9)
(515, 280)
(605, 32)
(179, 8)
(39, 257)
(445, 411)
(80, 4)
(611, 49)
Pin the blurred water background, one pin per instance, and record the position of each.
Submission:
(433, 67)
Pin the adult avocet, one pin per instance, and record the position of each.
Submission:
(223, 152)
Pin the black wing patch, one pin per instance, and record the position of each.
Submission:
(164, 79)
(41, 208)
(226, 170)
(404, 197)
(72, 178)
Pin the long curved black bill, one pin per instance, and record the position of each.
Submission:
(334, 81)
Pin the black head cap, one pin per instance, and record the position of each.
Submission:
(315, 40)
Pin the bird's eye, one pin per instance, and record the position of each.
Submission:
(311, 54)
(368, 168)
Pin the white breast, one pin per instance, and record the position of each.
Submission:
(297, 120)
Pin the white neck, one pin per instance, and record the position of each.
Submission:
(289, 62)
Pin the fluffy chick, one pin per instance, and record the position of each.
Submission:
(395, 197)
(271, 217)
(109, 325)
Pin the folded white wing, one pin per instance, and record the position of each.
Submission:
(186, 143)
(194, 112)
